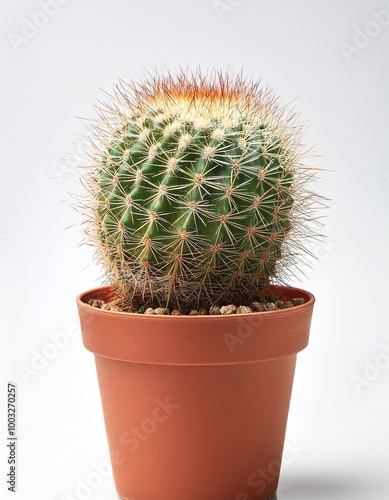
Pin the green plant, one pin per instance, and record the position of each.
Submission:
(199, 190)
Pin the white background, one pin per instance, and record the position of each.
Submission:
(311, 51)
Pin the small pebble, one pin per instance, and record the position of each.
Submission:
(142, 309)
(258, 307)
(287, 303)
(100, 304)
(297, 301)
(203, 311)
(270, 306)
(161, 311)
(193, 313)
(214, 310)
(243, 310)
(230, 309)
(176, 313)
(96, 303)
(149, 310)
(279, 304)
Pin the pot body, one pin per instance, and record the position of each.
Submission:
(196, 408)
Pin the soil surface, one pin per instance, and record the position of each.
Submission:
(269, 304)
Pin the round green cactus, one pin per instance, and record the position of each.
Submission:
(199, 190)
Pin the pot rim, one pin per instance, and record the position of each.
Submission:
(195, 340)
(103, 290)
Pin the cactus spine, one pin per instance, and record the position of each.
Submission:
(199, 190)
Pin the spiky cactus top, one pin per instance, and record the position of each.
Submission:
(199, 190)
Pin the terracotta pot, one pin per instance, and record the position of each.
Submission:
(195, 407)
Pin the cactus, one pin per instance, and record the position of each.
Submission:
(199, 191)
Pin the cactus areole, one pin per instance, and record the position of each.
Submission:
(199, 189)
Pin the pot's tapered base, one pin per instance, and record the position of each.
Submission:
(196, 432)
